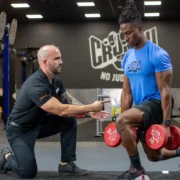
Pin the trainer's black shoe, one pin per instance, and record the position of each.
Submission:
(71, 169)
(134, 174)
(4, 151)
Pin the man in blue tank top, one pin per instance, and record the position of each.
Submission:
(147, 83)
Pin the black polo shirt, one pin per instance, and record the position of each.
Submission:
(35, 91)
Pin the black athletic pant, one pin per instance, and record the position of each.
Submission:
(22, 142)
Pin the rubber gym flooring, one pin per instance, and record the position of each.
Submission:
(92, 176)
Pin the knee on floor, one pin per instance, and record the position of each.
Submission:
(28, 174)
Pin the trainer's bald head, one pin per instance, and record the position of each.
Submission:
(45, 51)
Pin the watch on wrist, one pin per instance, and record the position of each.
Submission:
(167, 122)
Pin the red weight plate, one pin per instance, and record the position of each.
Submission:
(174, 141)
(156, 137)
(111, 136)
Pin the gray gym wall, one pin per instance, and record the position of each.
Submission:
(73, 40)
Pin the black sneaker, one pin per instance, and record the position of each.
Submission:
(4, 151)
(71, 169)
(134, 174)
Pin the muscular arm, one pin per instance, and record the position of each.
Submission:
(67, 98)
(55, 107)
(164, 80)
(126, 95)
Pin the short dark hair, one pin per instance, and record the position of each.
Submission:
(130, 14)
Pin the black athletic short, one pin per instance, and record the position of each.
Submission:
(153, 114)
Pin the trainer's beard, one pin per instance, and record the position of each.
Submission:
(51, 73)
(52, 70)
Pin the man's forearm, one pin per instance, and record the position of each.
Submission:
(73, 110)
(66, 98)
(166, 104)
(126, 101)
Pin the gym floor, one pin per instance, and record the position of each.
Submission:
(102, 161)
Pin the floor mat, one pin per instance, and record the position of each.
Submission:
(92, 176)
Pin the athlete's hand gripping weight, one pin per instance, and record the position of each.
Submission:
(157, 137)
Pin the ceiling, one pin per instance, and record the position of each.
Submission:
(67, 10)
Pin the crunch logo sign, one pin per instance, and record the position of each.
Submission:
(110, 52)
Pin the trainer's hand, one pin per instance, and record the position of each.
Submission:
(98, 105)
(99, 115)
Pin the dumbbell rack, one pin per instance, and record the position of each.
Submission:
(99, 129)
